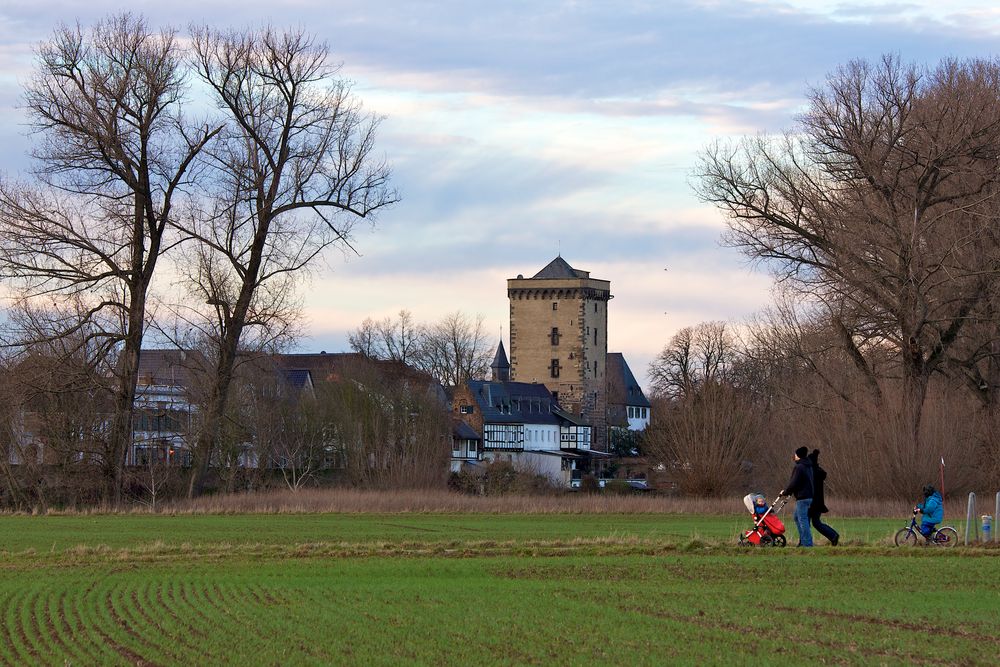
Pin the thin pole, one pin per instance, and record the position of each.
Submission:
(970, 518)
(942, 479)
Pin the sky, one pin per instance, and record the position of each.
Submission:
(518, 131)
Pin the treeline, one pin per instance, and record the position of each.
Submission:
(879, 213)
(378, 426)
(452, 350)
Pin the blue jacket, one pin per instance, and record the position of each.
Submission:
(932, 508)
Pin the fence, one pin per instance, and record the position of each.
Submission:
(972, 522)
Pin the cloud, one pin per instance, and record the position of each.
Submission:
(521, 129)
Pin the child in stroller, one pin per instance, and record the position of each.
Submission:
(768, 530)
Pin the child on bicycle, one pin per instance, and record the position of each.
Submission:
(933, 510)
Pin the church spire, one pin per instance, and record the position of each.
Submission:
(500, 366)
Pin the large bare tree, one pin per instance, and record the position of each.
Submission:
(695, 355)
(883, 204)
(113, 152)
(294, 170)
(455, 349)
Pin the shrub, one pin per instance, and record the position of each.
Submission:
(589, 484)
(618, 487)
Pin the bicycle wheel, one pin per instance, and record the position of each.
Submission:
(906, 537)
(946, 537)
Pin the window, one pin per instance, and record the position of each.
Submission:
(555, 396)
(595, 367)
(555, 305)
(472, 446)
(456, 449)
(554, 368)
(595, 306)
(595, 335)
(631, 412)
(554, 336)
(465, 410)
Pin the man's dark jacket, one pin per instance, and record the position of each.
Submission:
(801, 483)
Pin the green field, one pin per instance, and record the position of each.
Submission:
(480, 589)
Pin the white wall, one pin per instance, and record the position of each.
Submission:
(541, 436)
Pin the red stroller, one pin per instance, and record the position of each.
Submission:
(768, 530)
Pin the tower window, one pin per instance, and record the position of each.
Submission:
(595, 367)
(554, 368)
(555, 305)
(595, 307)
(595, 335)
(555, 335)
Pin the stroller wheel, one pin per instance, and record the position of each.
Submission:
(766, 541)
(779, 541)
(744, 542)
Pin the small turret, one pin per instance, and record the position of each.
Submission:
(500, 366)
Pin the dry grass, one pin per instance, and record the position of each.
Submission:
(351, 501)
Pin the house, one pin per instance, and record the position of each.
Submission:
(628, 406)
(466, 445)
(170, 384)
(165, 402)
(522, 423)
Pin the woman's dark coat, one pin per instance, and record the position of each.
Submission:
(819, 476)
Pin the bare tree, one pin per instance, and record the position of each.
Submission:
(694, 356)
(113, 153)
(883, 205)
(706, 439)
(389, 339)
(455, 349)
(295, 168)
(365, 339)
(287, 429)
(388, 425)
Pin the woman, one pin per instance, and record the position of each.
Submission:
(818, 507)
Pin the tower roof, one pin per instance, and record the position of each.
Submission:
(622, 386)
(559, 268)
(500, 360)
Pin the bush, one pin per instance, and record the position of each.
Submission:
(618, 487)
(589, 484)
(497, 479)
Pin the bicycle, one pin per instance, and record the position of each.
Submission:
(945, 536)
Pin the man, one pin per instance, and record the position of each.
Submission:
(801, 486)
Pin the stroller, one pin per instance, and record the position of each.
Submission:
(768, 530)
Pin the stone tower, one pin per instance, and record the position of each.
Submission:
(559, 337)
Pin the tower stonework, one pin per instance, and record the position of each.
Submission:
(559, 337)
